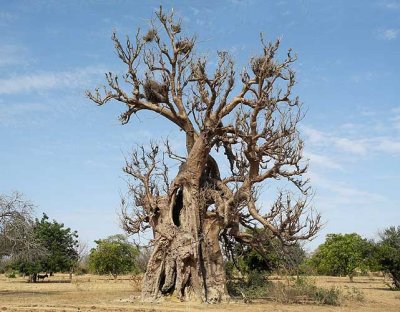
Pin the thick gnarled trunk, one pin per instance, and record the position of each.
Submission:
(187, 261)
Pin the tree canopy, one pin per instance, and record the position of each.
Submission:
(113, 255)
(342, 255)
(388, 253)
(60, 243)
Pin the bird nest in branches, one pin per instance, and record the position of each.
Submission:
(155, 92)
(184, 46)
(262, 67)
(150, 36)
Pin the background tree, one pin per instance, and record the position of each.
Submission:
(270, 255)
(81, 265)
(113, 255)
(61, 245)
(17, 238)
(388, 253)
(249, 119)
(342, 255)
(143, 258)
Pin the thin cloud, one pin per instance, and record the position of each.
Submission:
(323, 161)
(357, 144)
(388, 145)
(368, 76)
(12, 55)
(13, 113)
(391, 5)
(6, 17)
(241, 2)
(48, 80)
(396, 118)
(344, 194)
(313, 135)
(357, 147)
(96, 164)
(388, 34)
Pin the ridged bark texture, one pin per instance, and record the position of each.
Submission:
(187, 261)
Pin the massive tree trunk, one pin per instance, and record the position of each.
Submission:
(187, 261)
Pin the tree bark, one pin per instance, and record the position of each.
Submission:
(187, 261)
(396, 279)
(33, 278)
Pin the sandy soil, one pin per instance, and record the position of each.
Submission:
(94, 293)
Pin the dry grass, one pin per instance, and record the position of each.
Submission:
(94, 293)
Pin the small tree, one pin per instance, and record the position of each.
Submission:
(60, 243)
(81, 265)
(17, 238)
(388, 253)
(143, 258)
(341, 255)
(113, 255)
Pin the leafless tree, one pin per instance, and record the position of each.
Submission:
(250, 119)
(82, 252)
(17, 240)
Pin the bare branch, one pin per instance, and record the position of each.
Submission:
(17, 239)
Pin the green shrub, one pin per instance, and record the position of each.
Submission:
(353, 294)
(300, 290)
(304, 290)
(253, 286)
(330, 296)
(81, 270)
(11, 274)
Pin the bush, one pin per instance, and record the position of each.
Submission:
(299, 290)
(353, 294)
(303, 290)
(305, 293)
(254, 286)
(81, 270)
(11, 274)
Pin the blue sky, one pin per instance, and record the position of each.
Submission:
(65, 154)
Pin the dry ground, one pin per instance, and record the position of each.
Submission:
(94, 293)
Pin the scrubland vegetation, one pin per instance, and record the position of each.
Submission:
(90, 292)
(61, 274)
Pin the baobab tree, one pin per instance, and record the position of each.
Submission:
(248, 120)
